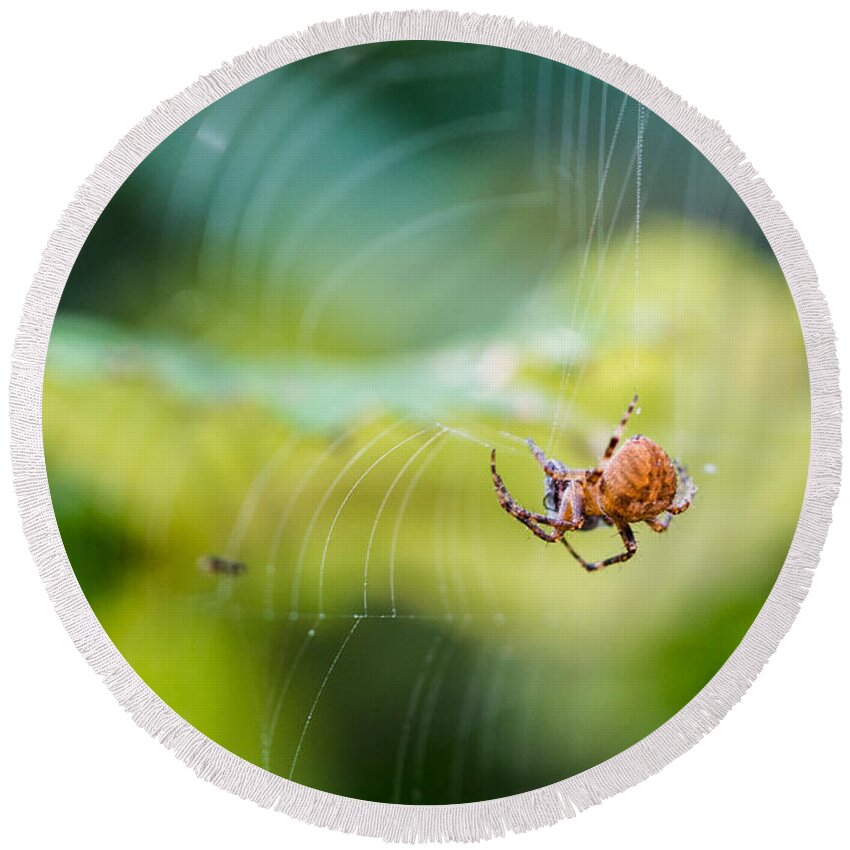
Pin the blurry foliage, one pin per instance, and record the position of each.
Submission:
(295, 293)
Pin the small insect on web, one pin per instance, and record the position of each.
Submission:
(638, 483)
(220, 566)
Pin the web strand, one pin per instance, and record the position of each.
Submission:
(309, 719)
(399, 475)
(341, 507)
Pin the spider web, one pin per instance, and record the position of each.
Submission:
(369, 270)
(286, 352)
(460, 670)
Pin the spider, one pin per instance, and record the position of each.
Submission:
(637, 484)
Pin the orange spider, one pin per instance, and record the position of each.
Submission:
(637, 484)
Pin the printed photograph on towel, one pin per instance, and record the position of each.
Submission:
(426, 422)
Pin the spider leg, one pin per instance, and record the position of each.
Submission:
(552, 469)
(532, 520)
(629, 542)
(614, 441)
(538, 453)
(576, 503)
(574, 500)
(660, 525)
(552, 536)
(689, 491)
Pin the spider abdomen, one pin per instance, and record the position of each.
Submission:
(639, 483)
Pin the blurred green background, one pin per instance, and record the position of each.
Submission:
(291, 338)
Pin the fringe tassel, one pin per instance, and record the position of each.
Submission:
(473, 821)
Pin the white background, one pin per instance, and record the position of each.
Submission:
(75, 769)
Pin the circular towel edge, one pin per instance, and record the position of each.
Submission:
(408, 823)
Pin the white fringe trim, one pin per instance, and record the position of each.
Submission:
(472, 821)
